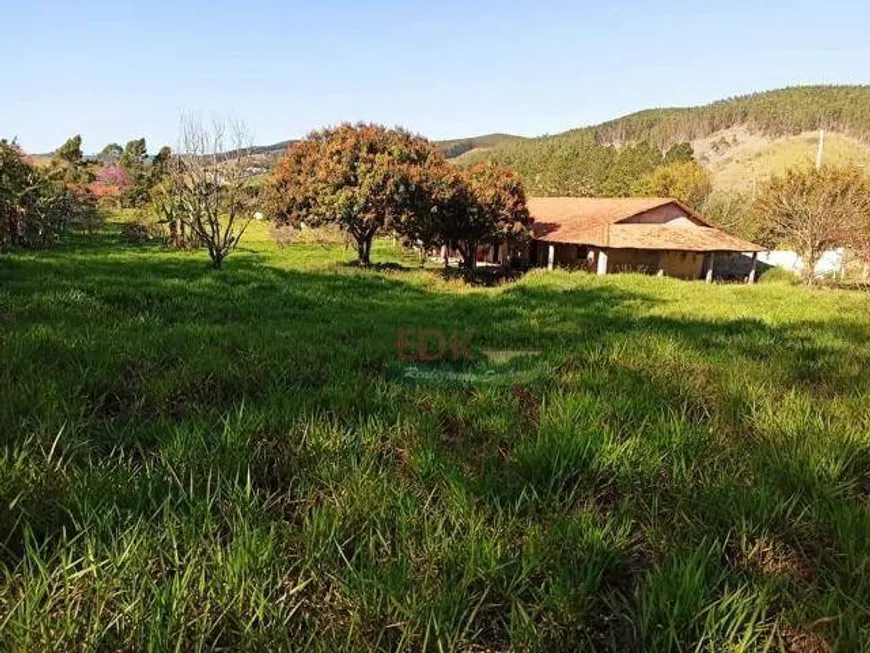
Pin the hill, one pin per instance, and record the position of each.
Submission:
(461, 146)
(755, 134)
(450, 148)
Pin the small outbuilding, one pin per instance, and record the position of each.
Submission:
(657, 235)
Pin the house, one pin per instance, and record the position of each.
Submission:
(640, 234)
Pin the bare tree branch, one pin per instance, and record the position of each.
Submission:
(210, 180)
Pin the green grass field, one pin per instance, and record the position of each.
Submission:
(197, 460)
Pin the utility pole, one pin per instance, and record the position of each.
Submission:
(821, 149)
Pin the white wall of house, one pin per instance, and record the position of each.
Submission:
(831, 261)
(669, 214)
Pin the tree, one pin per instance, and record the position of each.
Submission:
(68, 163)
(482, 205)
(358, 177)
(439, 206)
(686, 181)
(133, 161)
(159, 166)
(169, 209)
(500, 204)
(36, 206)
(680, 152)
(71, 151)
(209, 187)
(812, 210)
(732, 212)
(110, 154)
(632, 163)
(134, 157)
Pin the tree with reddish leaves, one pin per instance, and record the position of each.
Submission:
(480, 206)
(358, 177)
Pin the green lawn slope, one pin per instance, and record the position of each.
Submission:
(228, 460)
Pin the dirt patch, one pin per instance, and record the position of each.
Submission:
(767, 557)
(797, 640)
(530, 405)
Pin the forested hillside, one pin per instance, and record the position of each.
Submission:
(783, 112)
(608, 159)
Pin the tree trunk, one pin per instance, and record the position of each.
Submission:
(470, 255)
(364, 250)
(809, 271)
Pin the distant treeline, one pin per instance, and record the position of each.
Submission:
(609, 158)
(579, 166)
(782, 112)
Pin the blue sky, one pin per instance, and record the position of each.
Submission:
(117, 70)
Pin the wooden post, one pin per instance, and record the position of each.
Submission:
(754, 266)
(602, 261)
(710, 267)
(551, 256)
(661, 266)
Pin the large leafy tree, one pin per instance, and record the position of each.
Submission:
(478, 206)
(499, 202)
(812, 210)
(686, 181)
(440, 202)
(358, 177)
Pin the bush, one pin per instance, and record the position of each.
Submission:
(778, 275)
(36, 207)
(142, 231)
(283, 235)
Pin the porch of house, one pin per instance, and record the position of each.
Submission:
(681, 264)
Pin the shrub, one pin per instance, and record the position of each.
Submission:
(283, 235)
(37, 206)
(778, 275)
(142, 231)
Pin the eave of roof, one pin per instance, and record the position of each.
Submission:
(687, 239)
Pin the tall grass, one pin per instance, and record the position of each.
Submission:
(199, 460)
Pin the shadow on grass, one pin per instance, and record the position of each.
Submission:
(484, 276)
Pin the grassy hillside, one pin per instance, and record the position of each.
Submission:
(197, 460)
(739, 159)
(460, 146)
(770, 131)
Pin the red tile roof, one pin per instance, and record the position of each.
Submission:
(683, 238)
(596, 221)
